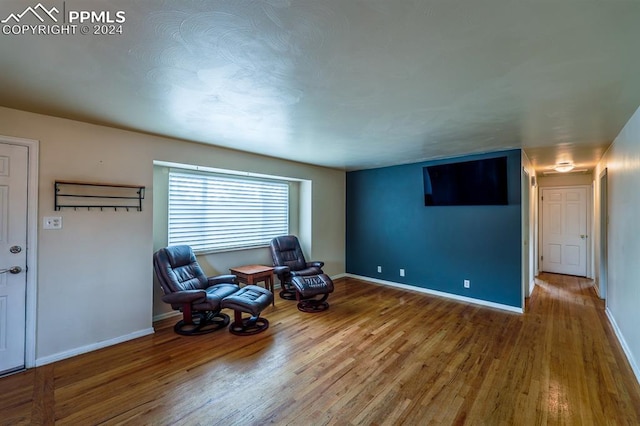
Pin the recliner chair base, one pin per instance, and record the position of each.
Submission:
(201, 323)
(313, 305)
(288, 294)
(248, 326)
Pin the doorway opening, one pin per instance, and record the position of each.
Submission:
(604, 224)
(564, 230)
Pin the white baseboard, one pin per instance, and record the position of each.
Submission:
(439, 293)
(338, 276)
(166, 315)
(92, 347)
(596, 287)
(623, 343)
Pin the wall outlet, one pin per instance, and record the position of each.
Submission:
(402, 272)
(467, 283)
(379, 269)
(52, 222)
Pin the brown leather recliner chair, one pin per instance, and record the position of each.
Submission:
(189, 290)
(300, 280)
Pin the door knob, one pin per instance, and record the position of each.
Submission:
(12, 270)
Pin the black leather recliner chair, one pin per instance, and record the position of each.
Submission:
(300, 280)
(189, 290)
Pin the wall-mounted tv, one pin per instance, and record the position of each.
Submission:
(467, 183)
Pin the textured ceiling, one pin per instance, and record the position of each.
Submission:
(345, 84)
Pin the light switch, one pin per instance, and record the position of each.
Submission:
(52, 222)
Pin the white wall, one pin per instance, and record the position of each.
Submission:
(95, 275)
(622, 161)
(566, 179)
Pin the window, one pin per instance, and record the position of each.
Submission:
(214, 212)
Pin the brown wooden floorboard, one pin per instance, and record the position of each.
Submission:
(378, 356)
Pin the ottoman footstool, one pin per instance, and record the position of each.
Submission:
(312, 292)
(252, 300)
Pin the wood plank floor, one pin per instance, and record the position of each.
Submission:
(379, 356)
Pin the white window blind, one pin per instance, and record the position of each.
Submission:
(213, 212)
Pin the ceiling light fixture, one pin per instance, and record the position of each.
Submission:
(564, 167)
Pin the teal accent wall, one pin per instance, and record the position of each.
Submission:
(388, 225)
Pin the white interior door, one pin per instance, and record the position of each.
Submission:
(13, 255)
(564, 230)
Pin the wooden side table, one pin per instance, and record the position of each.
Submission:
(253, 274)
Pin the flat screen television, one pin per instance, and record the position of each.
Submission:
(467, 183)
